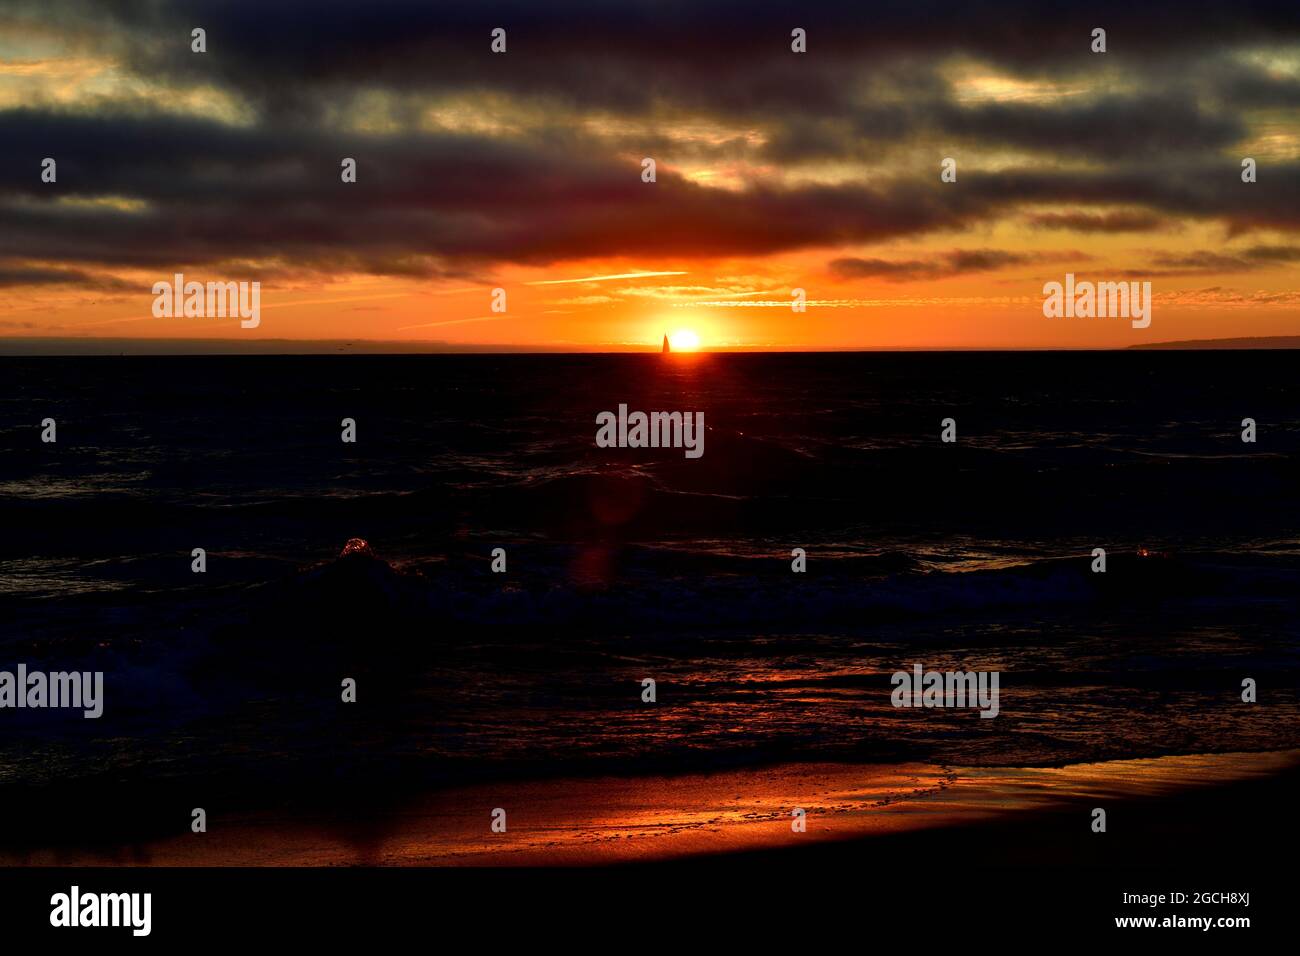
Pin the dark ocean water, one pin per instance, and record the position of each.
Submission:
(634, 563)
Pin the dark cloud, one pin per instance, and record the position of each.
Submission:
(20, 275)
(1107, 127)
(438, 204)
(1153, 131)
(955, 263)
(1123, 221)
(1209, 262)
(422, 202)
(629, 52)
(1194, 187)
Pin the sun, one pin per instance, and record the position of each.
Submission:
(684, 340)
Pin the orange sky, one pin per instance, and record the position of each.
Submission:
(522, 174)
(728, 304)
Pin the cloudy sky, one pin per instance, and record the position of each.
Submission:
(775, 170)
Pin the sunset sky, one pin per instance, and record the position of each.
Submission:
(775, 170)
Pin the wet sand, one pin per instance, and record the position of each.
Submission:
(665, 818)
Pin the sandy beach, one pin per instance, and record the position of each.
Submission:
(608, 820)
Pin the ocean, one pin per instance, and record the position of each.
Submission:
(627, 564)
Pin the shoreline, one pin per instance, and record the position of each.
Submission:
(739, 814)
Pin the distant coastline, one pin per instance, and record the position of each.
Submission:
(1253, 342)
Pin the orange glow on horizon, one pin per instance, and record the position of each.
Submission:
(704, 304)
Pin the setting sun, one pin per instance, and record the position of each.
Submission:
(684, 340)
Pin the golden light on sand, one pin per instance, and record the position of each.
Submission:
(684, 340)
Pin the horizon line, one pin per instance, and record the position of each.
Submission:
(56, 346)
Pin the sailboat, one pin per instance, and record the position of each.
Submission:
(667, 348)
